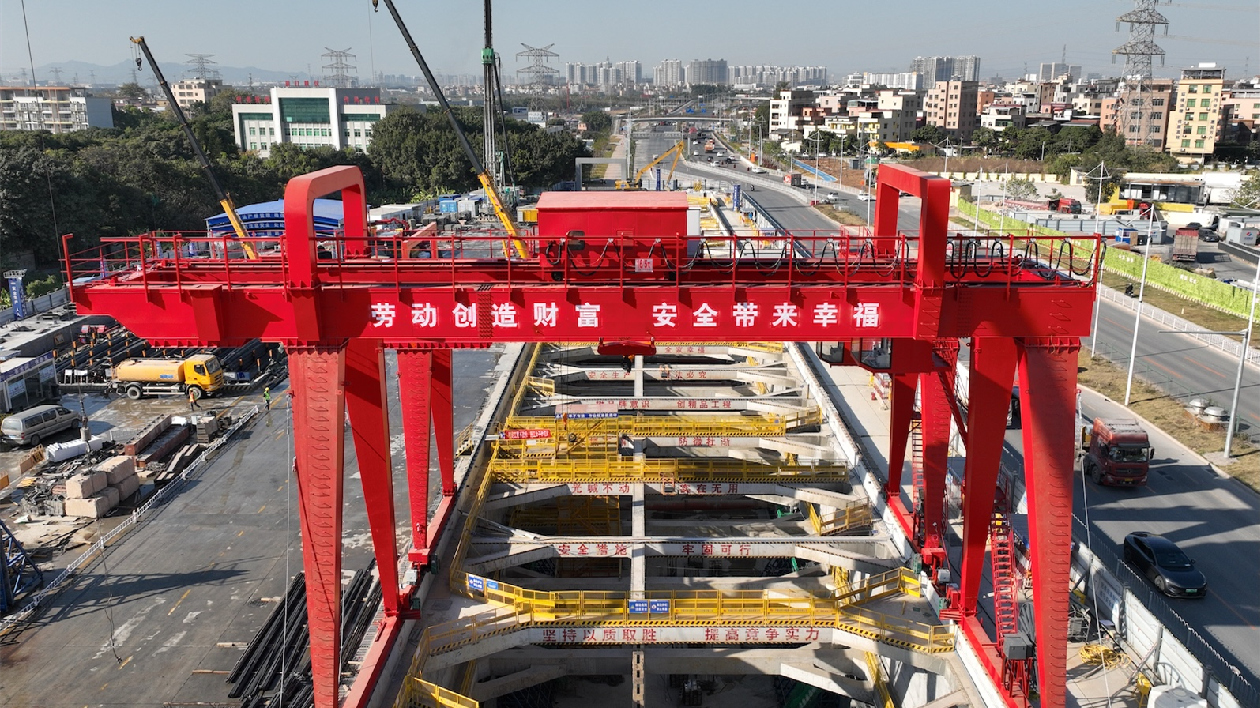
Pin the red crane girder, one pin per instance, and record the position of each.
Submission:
(338, 302)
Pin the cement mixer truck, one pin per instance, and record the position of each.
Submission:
(201, 373)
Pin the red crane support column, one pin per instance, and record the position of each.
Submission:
(415, 375)
(444, 419)
(992, 374)
(936, 419)
(369, 423)
(1047, 389)
(902, 395)
(317, 373)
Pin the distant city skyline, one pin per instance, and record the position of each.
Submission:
(289, 39)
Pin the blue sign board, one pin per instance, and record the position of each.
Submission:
(476, 583)
(15, 297)
(638, 607)
(658, 606)
(737, 196)
(492, 584)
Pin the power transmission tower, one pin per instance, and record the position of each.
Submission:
(1133, 107)
(56, 72)
(538, 74)
(202, 66)
(339, 72)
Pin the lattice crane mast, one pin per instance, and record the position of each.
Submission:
(225, 200)
(487, 182)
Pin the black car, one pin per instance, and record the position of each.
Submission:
(1164, 564)
(1209, 236)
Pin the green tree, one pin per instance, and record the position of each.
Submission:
(597, 121)
(986, 138)
(131, 91)
(1017, 188)
(1247, 196)
(929, 134)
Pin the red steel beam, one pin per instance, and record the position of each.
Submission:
(936, 418)
(991, 377)
(317, 374)
(369, 425)
(414, 389)
(443, 419)
(1047, 391)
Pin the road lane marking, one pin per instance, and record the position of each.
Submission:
(1153, 362)
(1203, 366)
(181, 599)
(126, 661)
(260, 509)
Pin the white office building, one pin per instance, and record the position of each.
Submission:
(309, 117)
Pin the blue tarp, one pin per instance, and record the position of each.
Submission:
(267, 219)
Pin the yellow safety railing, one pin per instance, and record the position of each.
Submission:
(877, 677)
(814, 519)
(682, 470)
(696, 424)
(852, 517)
(545, 386)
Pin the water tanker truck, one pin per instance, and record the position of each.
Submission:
(201, 373)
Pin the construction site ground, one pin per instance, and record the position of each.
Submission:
(164, 614)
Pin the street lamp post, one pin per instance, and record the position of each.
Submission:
(1242, 362)
(1137, 318)
(1102, 175)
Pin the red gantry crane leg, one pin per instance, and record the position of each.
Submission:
(1016, 300)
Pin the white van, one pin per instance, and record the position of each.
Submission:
(32, 425)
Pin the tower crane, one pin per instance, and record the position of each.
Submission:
(225, 200)
(487, 182)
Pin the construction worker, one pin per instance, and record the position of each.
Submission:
(193, 405)
(267, 396)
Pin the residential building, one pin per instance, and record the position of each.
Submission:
(190, 92)
(1140, 112)
(309, 117)
(951, 105)
(57, 109)
(752, 76)
(903, 109)
(904, 80)
(707, 71)
(984, 99)
(786, 110)
(1000, 116)
(669, 73)
(1197, 121)
(1052, 70)
(1243, 103)
(934, 69)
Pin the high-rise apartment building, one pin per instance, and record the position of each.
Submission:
(934, 69)
(57, 109)
(903, 80)
(1197, 120)
(670, 72)
(951, 105)
(1052, 70)
(707, 71)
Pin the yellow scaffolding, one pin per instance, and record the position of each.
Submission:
(688, 470)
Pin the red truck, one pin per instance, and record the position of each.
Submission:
(1065, 205)
(1117, 453)
(1186, 245)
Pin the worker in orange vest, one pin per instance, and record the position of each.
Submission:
(192, 400)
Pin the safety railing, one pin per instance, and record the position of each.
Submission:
(848, 257)
(544, 386)
(640, 426)
(876, 670)
(417, 693)
(855, 517)
(688, 471)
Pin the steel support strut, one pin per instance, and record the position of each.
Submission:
(317, 373)
(936, 418)
(369, 422)
(1047, 389)
(415, 369)
(992, 374)
(444, 419)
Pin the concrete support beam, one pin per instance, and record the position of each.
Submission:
(638, 554)
(860, 691)
(516, 681)
(638, 377)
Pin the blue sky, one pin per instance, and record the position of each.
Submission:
(845, 36)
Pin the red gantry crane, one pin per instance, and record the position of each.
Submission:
(1023, 302)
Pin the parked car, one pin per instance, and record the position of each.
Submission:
(32, 425)
(1164, 564)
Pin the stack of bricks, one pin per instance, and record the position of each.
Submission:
(94, 493)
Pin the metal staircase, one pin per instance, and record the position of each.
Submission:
(1002, 559)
